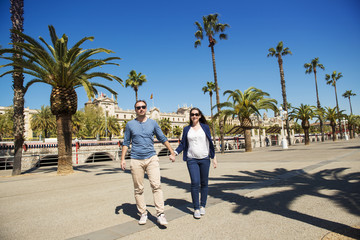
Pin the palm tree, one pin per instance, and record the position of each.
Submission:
(304, 113)
(331, 114)
(312, 67)
(279, 52)
(351, 119)
(111, 125)
(7, 124)
(210, 88)
(349, 94)
(331, 80)
(17, 19)
(165, 125)
(243, 105)
(356, 123)
(177, 131)
(64, 69)
(43, 121)
(135, 81)
(78, 123)
(210, 28)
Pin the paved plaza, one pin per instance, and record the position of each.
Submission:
(304, 192)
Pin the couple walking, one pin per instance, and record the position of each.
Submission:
(196, 144)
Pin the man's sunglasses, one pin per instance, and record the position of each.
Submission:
(140, 107)
(194, 114)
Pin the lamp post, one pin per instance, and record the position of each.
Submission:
(284, 143)
(346, 136)
(105, 126)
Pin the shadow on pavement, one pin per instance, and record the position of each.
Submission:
(131, 211)
(181, 204)
(345, 193)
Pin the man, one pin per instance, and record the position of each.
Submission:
(140, 133)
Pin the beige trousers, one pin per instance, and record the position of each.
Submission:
(152, 168)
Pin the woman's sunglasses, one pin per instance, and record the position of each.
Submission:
(140, 107)
(194, 114)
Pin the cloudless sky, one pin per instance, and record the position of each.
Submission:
(157, 39)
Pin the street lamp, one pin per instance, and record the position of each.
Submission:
(346, 136)
(283, 139)
(105, 126)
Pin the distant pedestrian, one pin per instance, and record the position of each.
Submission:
(140, 133)
(267, 141)
(198, 149)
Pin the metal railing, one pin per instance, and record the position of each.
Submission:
(41, 160)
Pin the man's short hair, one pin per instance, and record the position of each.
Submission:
(140, 101)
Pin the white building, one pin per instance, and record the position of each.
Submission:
(179, 118)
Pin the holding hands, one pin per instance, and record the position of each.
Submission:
(172, 157)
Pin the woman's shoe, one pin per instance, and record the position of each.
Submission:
(197, 214)
(202, 211)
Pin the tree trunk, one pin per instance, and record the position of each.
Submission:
(248, 147)
(350, 106)
(18, 124)
(283, 89)
(307, 137)
(221, 126)
(17, 19)
(337, 108)
(306, 126)
(333, 127)
(351, 131)
(212, 117)
(354, 129)
(319, 106)
(64, 137)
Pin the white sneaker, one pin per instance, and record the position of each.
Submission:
(202, 211)
(162, 220)
(143, 219)
(197, 214)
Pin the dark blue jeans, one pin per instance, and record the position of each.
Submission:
(199, 174)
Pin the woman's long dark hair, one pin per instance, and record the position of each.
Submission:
(202, 117)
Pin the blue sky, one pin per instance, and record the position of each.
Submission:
(157, 39)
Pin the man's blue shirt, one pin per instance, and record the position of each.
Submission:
(141, 136)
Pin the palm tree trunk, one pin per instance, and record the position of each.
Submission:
(212, 117)
(248, 147)
(350, 131)
(307, 137)
(221, 126)
(17, 19)
(18, 122)
(136, 95)
(353, 132)
(333, 127)
(337, 108)
(64, 138)
(319, 106)
(283, 89)
(350, 106)
(259, 131)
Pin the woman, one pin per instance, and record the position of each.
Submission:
(198, 149)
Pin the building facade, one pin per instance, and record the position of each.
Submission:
(110, 106)
(179, 118)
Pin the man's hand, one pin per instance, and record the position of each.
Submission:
(122, 164)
